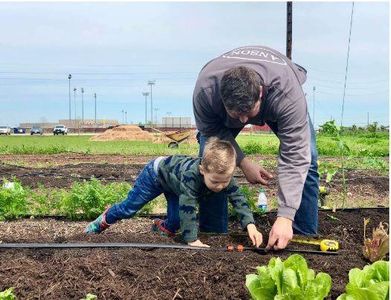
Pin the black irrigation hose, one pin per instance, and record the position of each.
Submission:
(144, 246)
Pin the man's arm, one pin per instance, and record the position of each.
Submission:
(294, 157)
(293, 164)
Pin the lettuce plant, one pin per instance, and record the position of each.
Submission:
(288, 280)
(7, 294)
(370, 283)
(376, 248)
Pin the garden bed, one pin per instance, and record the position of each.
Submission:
(161, 273)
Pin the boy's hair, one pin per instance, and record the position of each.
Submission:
(219, 156)
(240, 89)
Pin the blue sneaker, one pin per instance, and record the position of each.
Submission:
(158, 226)
(98, 225)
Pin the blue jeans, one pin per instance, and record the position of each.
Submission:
(146, 188)
(214, 210)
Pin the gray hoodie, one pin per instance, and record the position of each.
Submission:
(283, 103)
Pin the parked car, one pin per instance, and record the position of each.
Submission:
(60, 129)
(36, 130)
(19, 130)
(5, 130)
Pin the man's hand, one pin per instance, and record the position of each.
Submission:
(254, 173)
(198, 243)
(281, 234)
(254, 234)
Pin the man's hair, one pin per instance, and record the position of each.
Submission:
(240, 89)
(219, 156)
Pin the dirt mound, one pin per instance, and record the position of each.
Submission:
(124, 133)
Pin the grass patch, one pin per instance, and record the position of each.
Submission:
(360, 145)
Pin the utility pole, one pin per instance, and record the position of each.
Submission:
(95, 107)
(74, 102)
(123, 116)
(126, 117)
(289, 29)
(69, 90)
(313, 107)
(156, 109)
(145, 94)
(82, 105)
(151, 83)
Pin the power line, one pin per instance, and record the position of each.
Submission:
(347, 64)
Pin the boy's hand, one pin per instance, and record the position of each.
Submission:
(198, 243)
(254, 234)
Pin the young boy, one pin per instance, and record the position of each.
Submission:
(183, 180)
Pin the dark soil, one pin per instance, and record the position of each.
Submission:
(162, 273)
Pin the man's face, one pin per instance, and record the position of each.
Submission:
(244, 117)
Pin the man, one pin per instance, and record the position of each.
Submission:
(258, 85)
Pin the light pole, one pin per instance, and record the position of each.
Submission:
(74, 102)
(123, 114)
(151, 83)
(145, 94)
(156, 109)
(126, 117)
(95, 107)
(313, 107)
(82, 105)
(69, 90)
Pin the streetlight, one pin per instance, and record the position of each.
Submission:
(82, 105)
(69, 89)
(145, 94)
(313, 108)
(156, 109)
(95, 108)
(151, 83)
(74, 102)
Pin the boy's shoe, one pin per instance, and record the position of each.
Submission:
(98, 225)
(158, 226)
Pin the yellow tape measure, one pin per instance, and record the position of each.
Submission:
(325, 245)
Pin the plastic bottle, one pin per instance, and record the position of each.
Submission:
(262, 201)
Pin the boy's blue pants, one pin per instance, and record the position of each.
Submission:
(145, 189)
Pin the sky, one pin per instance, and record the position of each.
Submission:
(114, 49)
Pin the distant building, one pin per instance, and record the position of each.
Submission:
(72, 124)
(176, 122)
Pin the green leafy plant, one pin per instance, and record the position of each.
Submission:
(13, 200)
(288, 280)
(90, 297)
(370, 283)
(343, 151)
(88, 199)
(8, 294)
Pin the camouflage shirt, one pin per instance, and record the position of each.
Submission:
(180, 175)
